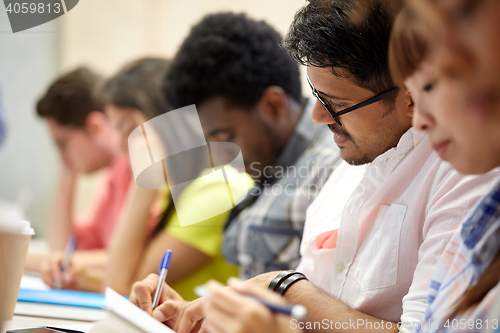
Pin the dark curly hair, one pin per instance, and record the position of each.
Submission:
(231, 56)
(323, 34)
(71, 98)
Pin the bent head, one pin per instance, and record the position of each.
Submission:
(245, 86)
(88, 148)
(462, 119)
(76, 121)
(133, 95)
(346, 65)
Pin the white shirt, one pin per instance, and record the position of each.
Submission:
(394, 218)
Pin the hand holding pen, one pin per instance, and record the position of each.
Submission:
(244, 309)
(66, 260)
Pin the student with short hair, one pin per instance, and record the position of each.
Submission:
(87, 143)
(247, 91)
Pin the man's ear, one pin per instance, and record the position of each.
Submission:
(409, 104)
(95, 122)
(273, 103)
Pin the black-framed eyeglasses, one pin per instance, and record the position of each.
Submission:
(336, 115)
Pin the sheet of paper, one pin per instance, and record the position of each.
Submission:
(33, 282)
(128, 312)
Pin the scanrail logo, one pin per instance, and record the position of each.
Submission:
(26, 14)
(170, 152)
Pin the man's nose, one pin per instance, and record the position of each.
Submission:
(320, 115)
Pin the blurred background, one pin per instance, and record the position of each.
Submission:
(104, 35)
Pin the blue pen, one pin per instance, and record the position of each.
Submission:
(162, 272)
(294, 311)
(66, 259)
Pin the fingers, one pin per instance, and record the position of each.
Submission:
(51, 269)
(229, 312)
(216, 320)
(46, 274)
(226, 299)
(189, 316)
(55, 266)
(167, 310)
(142, 293)
(71, 277)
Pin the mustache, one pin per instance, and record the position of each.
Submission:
(335, 128)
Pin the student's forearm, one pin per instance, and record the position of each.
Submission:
(92, 280)
(129, 240)
(61, 222)
(91, 259)
(325, 313)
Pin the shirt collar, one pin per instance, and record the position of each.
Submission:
(300, 139)
(388, 160)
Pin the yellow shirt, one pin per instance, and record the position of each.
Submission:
(206, 236)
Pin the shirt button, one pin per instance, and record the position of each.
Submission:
(340, 267)
(306, 242)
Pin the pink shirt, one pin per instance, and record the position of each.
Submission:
(94, 230)
(391, 220)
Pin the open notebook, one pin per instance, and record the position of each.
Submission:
(125, 317)
(121, 316)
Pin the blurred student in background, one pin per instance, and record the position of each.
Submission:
(87, 143)
(134, 96)
(247, 91)
(453, 76)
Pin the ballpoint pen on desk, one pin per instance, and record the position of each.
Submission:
(294, 311)
(162, 272)
(66, 259)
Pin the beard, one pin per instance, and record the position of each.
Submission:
(360, 158)
(336, 129)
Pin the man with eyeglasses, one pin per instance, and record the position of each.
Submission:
(382, 220)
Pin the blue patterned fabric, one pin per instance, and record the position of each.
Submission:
(466, 257)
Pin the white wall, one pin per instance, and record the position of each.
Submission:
(28, 61)
(108, 33)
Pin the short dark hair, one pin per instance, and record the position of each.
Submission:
(323, 34)
(71, 98)
(231, 56)
(138, 85)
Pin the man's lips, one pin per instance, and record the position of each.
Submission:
(441, 148)
(339, 138)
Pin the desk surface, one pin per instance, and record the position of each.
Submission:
(19, 322)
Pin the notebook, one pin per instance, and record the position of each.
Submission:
(125, 317)
(62, 297)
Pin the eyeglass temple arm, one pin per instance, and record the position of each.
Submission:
(372, 100)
